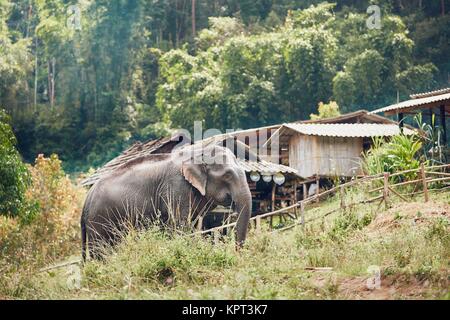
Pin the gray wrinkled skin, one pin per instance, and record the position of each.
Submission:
(171, 189)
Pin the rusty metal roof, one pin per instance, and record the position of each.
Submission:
(347, 129)
(266, 167)
(414, 103)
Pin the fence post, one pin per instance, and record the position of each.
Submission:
(216, 236)
(424, 181)
(302, 213)
(341, 196)
(258, 223)
(386, 189)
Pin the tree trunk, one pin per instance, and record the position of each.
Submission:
(35, 73)
(193, 20)
(53, 81)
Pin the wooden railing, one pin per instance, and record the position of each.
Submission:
(382, 193)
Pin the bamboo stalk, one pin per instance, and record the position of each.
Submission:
(438, 173)
(410, 182)
(398, 194)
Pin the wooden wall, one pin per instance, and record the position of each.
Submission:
(325, 156)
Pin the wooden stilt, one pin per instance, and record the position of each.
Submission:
(318, 189)
(295, 198)
(273, 202)
(305, 191)
(443, 125)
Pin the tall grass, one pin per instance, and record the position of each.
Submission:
(411, 246)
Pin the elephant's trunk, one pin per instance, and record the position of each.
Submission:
(242, 199)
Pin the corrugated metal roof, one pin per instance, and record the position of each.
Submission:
(265, 167)
(429, 93)
(347, 129)
(414, 103)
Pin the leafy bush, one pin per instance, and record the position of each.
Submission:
(326, 110)
(53, 230)
(400, 153)
(14, 176)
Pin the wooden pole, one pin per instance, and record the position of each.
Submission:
(302, 213)
(400, 121)
(273, 202)
(341, 196)
(386, 189)
(424, 181)
(443, 125)
(305, 191)
(258, 223)
(295, 198)
(318, 189)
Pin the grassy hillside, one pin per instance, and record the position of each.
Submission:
(410, 243)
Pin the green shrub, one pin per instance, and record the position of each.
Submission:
(14, 176)
(52, 231)
(399, 154)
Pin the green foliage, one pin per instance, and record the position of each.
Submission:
(51, 232)
(135, 70)
(399, 154)
(14, 176)
(326, 110)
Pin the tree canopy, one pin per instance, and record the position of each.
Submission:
(84, 79)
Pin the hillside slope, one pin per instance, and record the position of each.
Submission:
(333, 258)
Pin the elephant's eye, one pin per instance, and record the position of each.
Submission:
(228, 175)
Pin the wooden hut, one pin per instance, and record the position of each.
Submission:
(431, 105)
(330, 149)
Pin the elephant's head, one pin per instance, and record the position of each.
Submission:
(216, 174)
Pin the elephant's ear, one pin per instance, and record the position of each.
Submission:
(196, 175)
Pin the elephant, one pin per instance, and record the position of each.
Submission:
(156, 188)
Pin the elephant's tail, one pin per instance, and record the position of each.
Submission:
(83, 239)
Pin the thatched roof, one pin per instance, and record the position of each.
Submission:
(137, 150)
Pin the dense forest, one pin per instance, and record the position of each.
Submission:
(84, 79)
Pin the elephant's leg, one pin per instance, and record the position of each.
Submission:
(100, 241)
